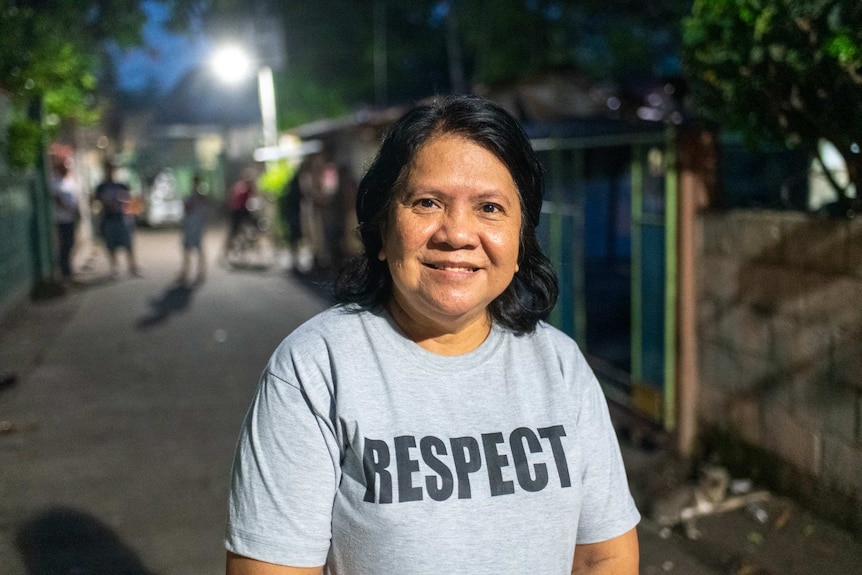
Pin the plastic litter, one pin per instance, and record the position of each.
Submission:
(757, 512)
(741, 486)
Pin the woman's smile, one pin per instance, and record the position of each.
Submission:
(452, 267)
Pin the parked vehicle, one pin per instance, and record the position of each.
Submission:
(163, 201)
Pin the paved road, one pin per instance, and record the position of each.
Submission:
(123, 428)
(116, 442)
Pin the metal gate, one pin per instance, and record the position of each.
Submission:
(609, 228)
(25, 226)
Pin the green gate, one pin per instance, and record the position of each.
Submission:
(26, 252)
(609, 228)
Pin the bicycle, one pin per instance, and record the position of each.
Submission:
(251, 246)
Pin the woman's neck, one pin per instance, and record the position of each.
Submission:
(452, 339)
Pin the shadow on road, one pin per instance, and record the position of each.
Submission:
(64, 540)
(173, 300)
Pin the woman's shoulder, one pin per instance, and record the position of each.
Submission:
(554, 337)
(328, 324)
(328, 329)
(555, 346)
(309, 356)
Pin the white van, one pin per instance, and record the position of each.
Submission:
(163, 203)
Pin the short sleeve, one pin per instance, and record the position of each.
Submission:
(284, 479)
(608, 508)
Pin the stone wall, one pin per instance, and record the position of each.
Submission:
(780, 350)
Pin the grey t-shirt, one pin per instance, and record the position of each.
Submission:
(368, 454)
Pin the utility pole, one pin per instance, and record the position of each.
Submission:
(380, 55)
(453, 52)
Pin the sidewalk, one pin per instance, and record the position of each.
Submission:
(783, 539)
(777, 537)
(116, 441)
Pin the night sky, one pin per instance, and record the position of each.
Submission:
(163, 59)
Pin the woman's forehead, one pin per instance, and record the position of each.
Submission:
(456, 138)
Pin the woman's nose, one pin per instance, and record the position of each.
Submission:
(457, 229)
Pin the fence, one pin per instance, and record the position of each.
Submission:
(25, 226)
(609, 228)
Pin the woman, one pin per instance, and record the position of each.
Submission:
(64, 191)
(433, 423)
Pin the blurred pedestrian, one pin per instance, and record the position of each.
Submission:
(116, 224)
(319, 186)
(66, 199)
(242, 194)
(343, 240)
(195, 215)
(327, 189)
(290, 213)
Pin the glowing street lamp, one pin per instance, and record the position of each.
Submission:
(232, 64)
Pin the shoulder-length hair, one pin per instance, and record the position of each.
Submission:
(365, 281)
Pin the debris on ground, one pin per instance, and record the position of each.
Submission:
(782, 519)
(756, 511)
(708, 496)
(9, 427)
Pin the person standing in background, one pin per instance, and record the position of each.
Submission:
(242, 192)
(65, 200)
(115, 199)
(290, 213)
(195, 214)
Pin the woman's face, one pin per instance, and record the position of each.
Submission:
(452, 237)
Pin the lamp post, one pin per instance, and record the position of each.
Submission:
(266, 94)
(233, 65)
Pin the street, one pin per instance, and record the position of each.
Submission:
(116, 440)
(120, 439)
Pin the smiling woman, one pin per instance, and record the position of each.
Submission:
(432, 422)
(451, 244)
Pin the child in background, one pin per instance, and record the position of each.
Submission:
(195, 215)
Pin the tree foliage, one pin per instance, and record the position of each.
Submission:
(52, 57)
(781, 70)
(327, 67)
(607, 39)
(440, 46)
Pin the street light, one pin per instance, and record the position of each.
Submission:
(232, 64)
(266, 94)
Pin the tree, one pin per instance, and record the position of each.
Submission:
(52, 56)
(440, 46)
(607, 39)
(781, 71)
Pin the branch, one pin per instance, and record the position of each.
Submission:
(806, 28)
(851, 70)
(839, 189)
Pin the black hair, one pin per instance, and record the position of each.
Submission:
(365, 281)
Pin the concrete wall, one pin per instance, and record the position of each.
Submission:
(780, 350)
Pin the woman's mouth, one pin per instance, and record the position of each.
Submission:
(452, 267)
